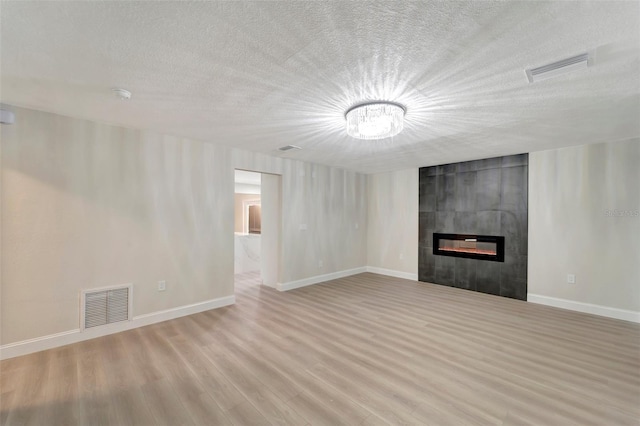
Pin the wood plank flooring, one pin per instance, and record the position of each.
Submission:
(366, 349)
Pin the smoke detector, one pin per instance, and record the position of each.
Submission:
(122, 94)
(563, 66)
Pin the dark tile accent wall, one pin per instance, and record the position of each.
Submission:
(484, 197)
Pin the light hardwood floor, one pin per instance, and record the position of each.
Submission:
(367, 349)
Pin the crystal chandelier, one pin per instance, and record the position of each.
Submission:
(375, 120)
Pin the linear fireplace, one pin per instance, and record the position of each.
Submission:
(483, 247)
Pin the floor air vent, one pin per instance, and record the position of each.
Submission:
(105, 306)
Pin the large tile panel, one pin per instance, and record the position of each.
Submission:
(483, 197)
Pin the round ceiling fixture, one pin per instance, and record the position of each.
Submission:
(375, 120)
(122, 94)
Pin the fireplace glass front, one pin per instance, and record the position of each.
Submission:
(483, 247)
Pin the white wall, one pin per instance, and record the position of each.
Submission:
(271, 248)
(331, 202)
(392, 237)
(570, 192)
(246, 188)
(86, 205)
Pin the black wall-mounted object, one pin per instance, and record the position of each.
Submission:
(480, 197)
(481, 247)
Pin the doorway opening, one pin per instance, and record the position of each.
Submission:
(257, 228)
(247, 222)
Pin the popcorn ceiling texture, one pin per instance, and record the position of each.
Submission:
(262, 75)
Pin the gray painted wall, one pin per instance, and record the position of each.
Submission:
(484, 197)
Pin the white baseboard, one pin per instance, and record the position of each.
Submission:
(341, 274)
(587, 308)
(320, 278)
(73, 336)
(393, 273)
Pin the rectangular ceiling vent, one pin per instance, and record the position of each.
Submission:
(288, 148)
(557, 68)
(105, 306)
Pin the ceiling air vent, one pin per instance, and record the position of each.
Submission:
(288, 148)
(105, 306)
(559, 67)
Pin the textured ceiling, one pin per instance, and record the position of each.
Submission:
(261, 75)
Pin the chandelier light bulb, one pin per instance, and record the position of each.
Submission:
(375, 120)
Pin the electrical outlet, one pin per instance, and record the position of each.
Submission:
(162, 285)
(303, 227)
(571, 278)
(357, 225)
(401, 256)
(320, 263)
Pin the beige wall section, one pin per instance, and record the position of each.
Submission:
(238, 216)
(570, 191)
(270, 239)
(392, 241)
(330, 202)
(86, 205)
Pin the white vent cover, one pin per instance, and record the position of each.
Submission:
(560, 67)
(105, 306)
(288, 147)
